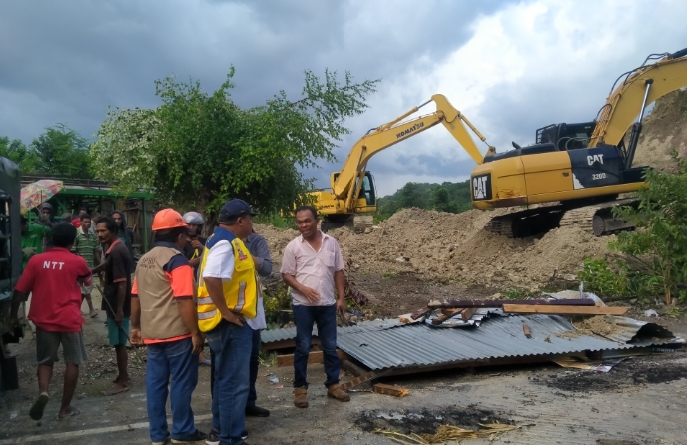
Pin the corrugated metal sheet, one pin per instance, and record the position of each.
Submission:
(272, 335)
(419, 345)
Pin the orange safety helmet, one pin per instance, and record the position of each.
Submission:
(168, 219)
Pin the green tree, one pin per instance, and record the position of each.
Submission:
(61, 151)
(26, 159)
(661, 220)
(198, 149)
(442, 200)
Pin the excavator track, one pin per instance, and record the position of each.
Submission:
(595, 218)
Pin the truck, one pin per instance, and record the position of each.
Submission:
(10, 265)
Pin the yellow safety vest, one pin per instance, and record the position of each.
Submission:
(240, 293)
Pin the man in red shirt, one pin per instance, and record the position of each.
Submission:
(54, 278)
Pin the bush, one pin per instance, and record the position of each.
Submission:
(660, 241)
(600, 279)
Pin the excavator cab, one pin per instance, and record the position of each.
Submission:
(566, 136)
(367, 189)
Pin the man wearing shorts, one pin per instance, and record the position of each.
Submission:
(85, 246)
(116, 298)
(54, 278)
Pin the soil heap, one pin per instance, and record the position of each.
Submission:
(446, 247)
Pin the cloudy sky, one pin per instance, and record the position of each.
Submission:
(509, 66)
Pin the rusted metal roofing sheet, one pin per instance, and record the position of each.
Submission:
(419, 345)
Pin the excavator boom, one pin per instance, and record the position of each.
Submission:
(384, 136)
(623, 104)
(352, 188)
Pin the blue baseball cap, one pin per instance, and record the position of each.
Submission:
(235, 209)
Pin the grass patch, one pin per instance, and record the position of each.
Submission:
(389, 275)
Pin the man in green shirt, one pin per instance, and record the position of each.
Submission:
(32, 236)
(85, 246)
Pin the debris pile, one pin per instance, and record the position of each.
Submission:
(488, 332)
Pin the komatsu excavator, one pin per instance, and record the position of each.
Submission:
(352, 189)
(577, 171)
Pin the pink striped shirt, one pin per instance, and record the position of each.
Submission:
(313, 269)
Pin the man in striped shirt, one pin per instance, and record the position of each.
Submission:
(85, 246)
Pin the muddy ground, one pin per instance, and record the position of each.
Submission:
(642, 400)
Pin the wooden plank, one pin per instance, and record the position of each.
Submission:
(526, 330)
(474, 364)
(284, 344)
(420, 312)
(358, 380)
(313, 358)
(445, 315)
(390, 390)
(563, 310)
(468, 312)
(436, 304)
(352, 368)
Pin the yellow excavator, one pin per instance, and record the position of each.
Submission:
(576, 172)
(352, 189)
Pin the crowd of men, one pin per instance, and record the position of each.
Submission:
(185, 292)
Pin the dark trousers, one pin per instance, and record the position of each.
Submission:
(254, 365)
(325, 317)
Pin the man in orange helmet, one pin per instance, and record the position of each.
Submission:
(164, 318)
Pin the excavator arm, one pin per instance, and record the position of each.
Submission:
(642, 86)
(346, 184)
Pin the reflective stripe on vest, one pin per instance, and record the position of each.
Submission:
(206, 315)
(242, 297)
(203, 301)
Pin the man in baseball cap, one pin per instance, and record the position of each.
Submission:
(235, 209)
(227, 296)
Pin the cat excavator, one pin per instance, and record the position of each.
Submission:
(352, 189)
(574, 173)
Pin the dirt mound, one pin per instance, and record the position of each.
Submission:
(664, 130)
(277, 239)
(447, 247)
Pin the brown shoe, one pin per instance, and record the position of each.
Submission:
(300, 397)
(336, 392)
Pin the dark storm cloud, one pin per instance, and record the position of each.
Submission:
(67, 61)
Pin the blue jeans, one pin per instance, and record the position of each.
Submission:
(325, 317)
(232, 346)
(173, 359)
(254, 365)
